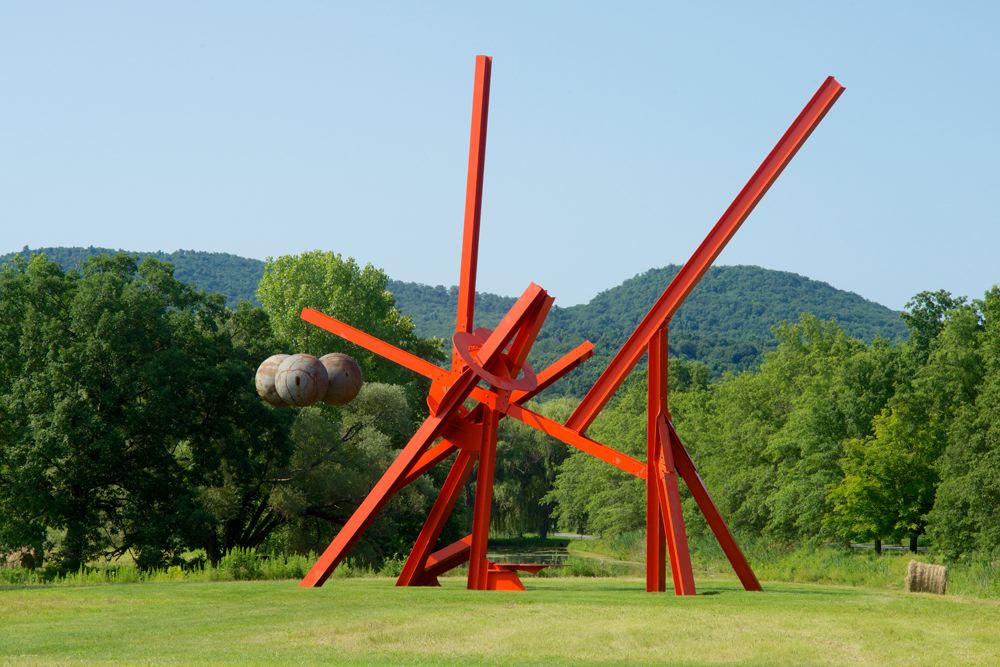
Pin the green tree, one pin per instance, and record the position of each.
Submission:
(342, 289)
(527, 462)
(890, 478)
(339, 455)
(963, 520)
(125, 395)
(925, 316)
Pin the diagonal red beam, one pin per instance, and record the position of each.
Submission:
(669, 497)
(413, 569)
(511, 322)
(557, 369)
(376, 499)
(369, 342)
(449, 557)
(685, 466)
(518, 351)
(485, 396)
(431, 428)
(573, 439)
(473, 199)
(695, 268)
(427, 461)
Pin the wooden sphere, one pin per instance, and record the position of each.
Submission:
(265, 380)
(301, 380)
(344, 378)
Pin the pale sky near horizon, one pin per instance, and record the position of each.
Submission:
(618, 134)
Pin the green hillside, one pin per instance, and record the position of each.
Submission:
(726, 323)
(234, 276)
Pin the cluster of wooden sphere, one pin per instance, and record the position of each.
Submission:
(302, 379)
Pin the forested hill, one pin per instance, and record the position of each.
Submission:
(234, 276)
(726, 323)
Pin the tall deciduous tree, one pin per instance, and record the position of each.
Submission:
(963, 521)
(339, 287)
(125, 396)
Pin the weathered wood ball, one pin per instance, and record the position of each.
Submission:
(344, 378)
(301, 380)
(265, 380)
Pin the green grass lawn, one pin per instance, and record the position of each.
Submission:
(557, 621)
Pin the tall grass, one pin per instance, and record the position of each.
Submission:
(622, 555)
(808, 564)
(239, 564)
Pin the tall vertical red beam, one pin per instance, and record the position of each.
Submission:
(705, 254)
(670, 534)
(483, 505)
(656, 546)
(473, 201)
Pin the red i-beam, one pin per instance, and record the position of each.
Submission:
(498, 359)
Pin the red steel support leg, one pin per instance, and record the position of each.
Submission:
(478, 566)
(685, 466)
(473, 199)
(673, 518)
(656, 576)
(413, 570)
(372, 504)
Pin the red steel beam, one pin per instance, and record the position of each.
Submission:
(557, 369)
(483, 504)
(369, 342)
(431, 428)
(572, 438)
(695, 268)
(413, 569)
(427, 461)
(509, 325)
(485, 396)
(473, 199)
(656, 543)
(380, 494)
(448, 558)
(685, 466)
(669, 496)
(518, 351)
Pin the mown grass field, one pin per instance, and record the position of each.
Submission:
(558, 621)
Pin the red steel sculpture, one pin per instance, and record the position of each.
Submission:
(498, 359)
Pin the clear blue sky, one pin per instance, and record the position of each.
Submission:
(618, 134)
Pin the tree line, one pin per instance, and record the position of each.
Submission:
(129, 425)
(829, 439)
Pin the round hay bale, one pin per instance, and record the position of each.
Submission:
(265, 380)
(301, 380)
(926, 578)
(344, 375)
